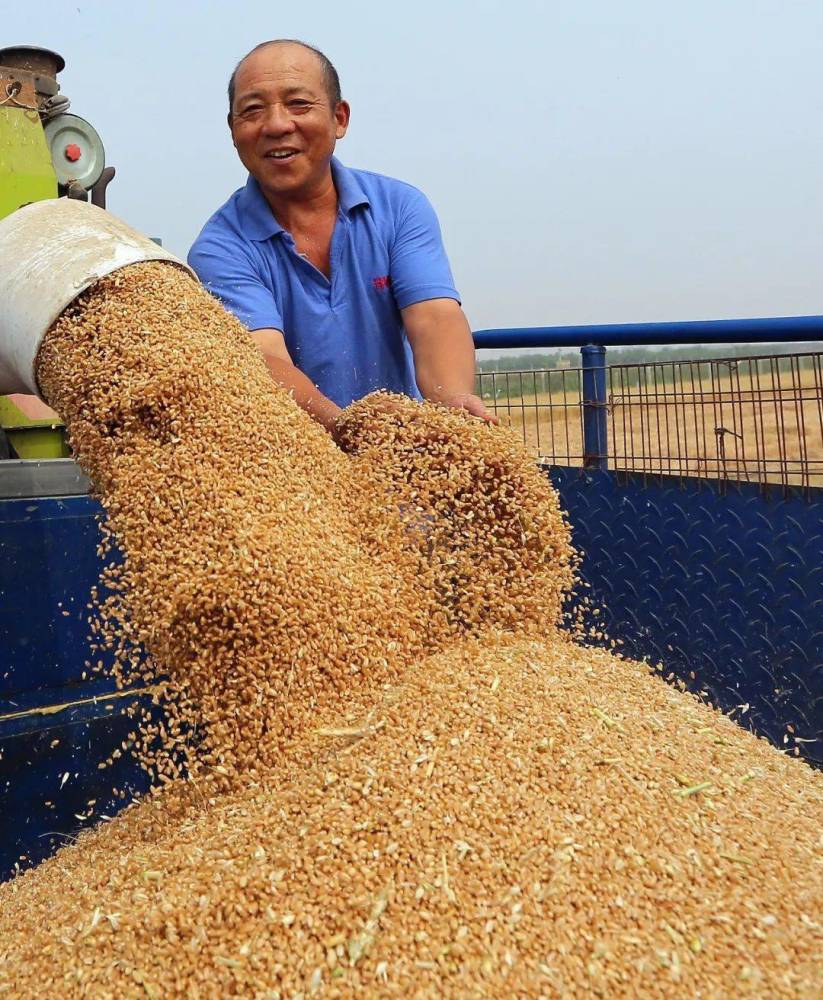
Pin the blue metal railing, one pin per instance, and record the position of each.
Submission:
(593, 363)
(704, 331)
(593, 340)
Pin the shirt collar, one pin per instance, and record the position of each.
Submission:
(350, 193)
(258, 219)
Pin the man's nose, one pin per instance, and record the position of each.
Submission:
(278, 121)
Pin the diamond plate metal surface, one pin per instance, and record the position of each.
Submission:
(720, 583)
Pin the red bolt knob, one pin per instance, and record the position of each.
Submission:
(73, 152)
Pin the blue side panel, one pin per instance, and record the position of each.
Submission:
(55, 726)
(720, 583)
(48, 565)
(50, 783)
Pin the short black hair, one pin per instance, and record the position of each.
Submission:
(331, 79)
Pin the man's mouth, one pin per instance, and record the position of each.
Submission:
(281, 154)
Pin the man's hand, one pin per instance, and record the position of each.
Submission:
(471, 404)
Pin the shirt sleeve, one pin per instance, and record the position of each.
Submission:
(226, 269)
(419, 266)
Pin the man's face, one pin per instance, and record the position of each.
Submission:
(282, 122)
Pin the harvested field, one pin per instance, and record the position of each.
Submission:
(403, 778)
(758, 421)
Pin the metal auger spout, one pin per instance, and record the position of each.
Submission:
(51, 251)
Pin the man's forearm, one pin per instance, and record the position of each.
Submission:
(446, 369)
(443, 349)
(306, 394)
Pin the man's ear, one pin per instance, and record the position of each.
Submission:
(231, 130)
(342, 115)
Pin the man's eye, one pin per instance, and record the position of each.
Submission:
(299, 106)
(250, 111)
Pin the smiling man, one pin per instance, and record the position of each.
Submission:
(339, 274)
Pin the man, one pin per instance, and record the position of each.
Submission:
(339, 274)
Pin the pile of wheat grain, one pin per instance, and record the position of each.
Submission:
(411, 783)
(262, 567)
(514, 819)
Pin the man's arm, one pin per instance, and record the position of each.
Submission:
(306, 394)
(443, 350)
(423, 288)
(224, 266)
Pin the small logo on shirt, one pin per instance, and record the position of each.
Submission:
(382, 283)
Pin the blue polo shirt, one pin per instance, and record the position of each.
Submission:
(346, 334)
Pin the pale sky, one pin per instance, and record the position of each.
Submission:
(590, 161)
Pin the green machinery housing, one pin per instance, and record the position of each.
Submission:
(45, 152)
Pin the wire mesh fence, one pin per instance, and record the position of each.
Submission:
(751, 419)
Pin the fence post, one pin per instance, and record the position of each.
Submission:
(595, 428)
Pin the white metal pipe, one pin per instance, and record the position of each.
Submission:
(50, 252)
